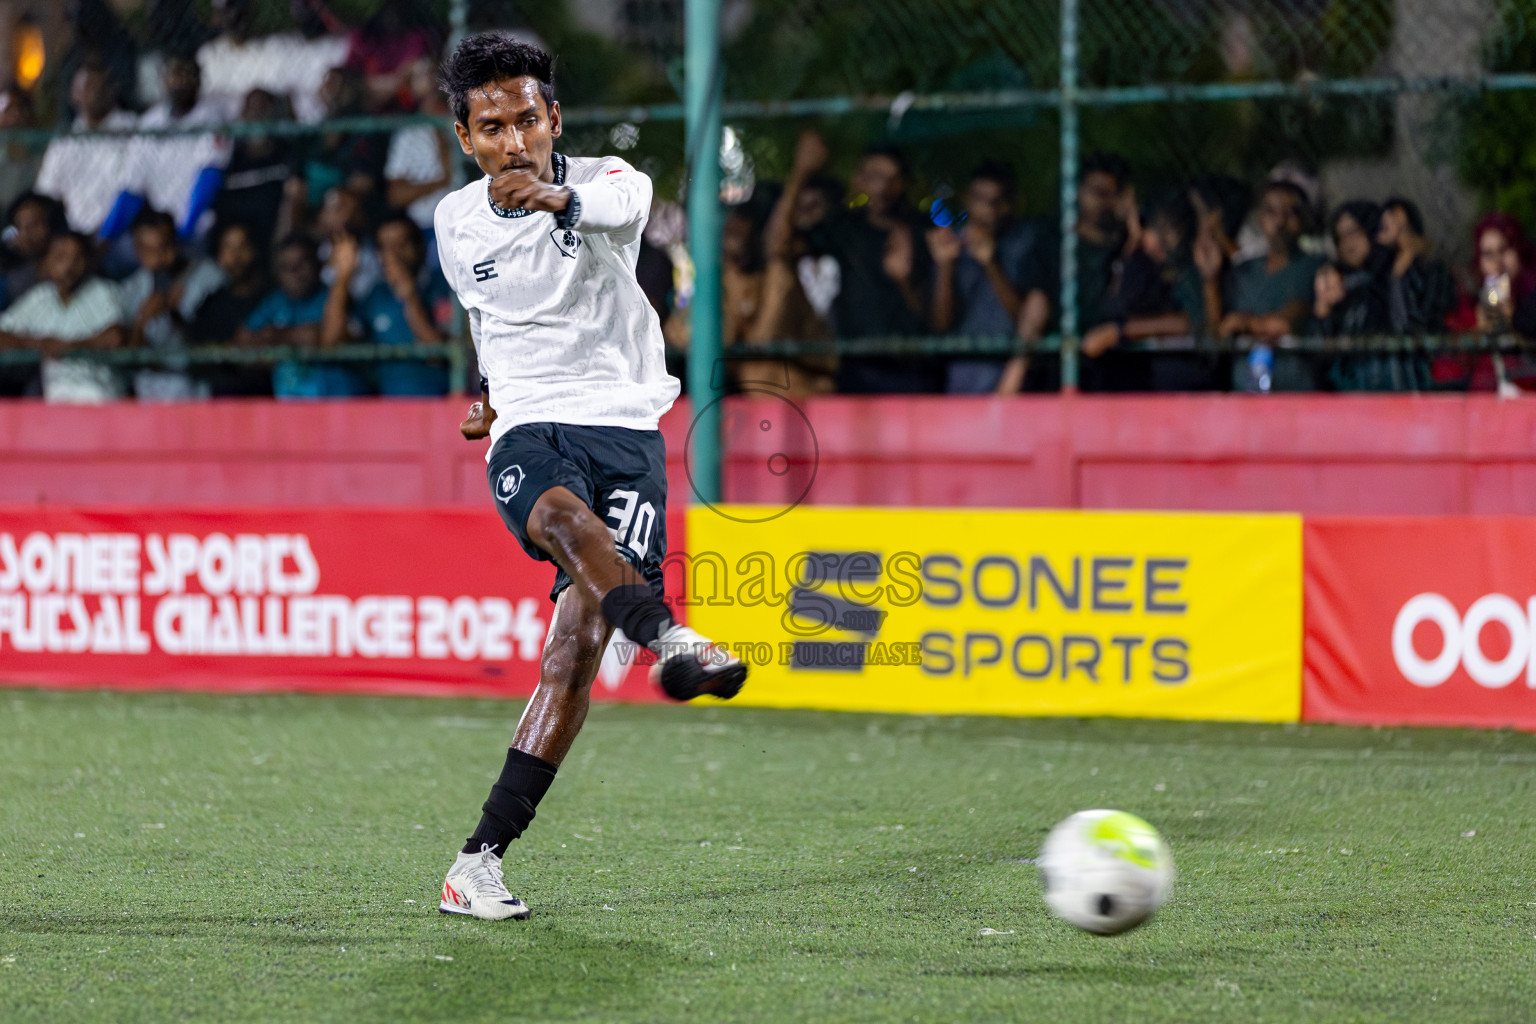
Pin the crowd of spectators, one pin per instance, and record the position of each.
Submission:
(1156, 283)
(140, 229)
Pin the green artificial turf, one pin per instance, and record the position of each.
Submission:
(180, 858)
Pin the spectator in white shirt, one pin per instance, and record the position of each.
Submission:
(159, 302)
(87, 174)
(179, 174)
(342, 217)
(71, 311)
(238, 61)
(420, 168)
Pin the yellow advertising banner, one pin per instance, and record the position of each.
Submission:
(1146, 614)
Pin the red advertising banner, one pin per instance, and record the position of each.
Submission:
(385, 600)
(1420, 620)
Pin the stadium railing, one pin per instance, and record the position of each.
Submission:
(458, 354)
(1382, 80)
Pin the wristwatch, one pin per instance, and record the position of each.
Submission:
(569, 217)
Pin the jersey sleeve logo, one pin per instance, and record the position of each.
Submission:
(566, 240)
(485, 271)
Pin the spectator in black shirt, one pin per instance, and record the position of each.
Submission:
(1350, 293)
(1420, 292)
(1159, 293)
(1221, 203)
(1106, 210)
(100, 40)
(256, 183)
(1352, 297)
(31, 222)
(884, 268)
(239, 252)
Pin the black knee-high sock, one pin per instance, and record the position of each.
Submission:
(515, 796)
(636, 609)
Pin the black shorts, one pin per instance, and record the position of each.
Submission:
(620, 473)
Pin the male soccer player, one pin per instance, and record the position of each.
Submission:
(541, 252)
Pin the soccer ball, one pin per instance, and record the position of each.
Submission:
(1105, 871)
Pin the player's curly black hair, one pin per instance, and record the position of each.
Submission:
(491, 57)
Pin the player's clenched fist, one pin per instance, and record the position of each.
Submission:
(521, 188)
(478, 423)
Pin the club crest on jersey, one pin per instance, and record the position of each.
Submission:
(566, 240)
(508, 484)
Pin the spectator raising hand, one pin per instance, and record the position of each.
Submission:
(343, 267)
(982, 274)
(398, 275)
(898, 260)
(945, 248)
(293, 314)
(1210, 258)
(342, 216)
(406, 305)
(811, 155)
(784, 310)
(344, 258)
(981, 243)
(1158, 292)
(1327, 290)
(1420, 293)
(883, 275)
(1128, 212)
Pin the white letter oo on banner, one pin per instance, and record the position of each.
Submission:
(1462, 640)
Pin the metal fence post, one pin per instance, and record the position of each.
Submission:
(458, 357)
(703, 86)
(458, 22)
(459, 353)
(1069, 166)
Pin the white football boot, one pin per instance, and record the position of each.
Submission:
(474, 888)
(691, 665)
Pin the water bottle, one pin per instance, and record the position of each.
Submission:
(1261, 365)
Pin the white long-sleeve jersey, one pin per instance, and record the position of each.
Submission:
(561, 328)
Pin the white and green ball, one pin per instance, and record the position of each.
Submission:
(1105, 871)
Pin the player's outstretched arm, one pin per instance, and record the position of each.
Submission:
(618, 202)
